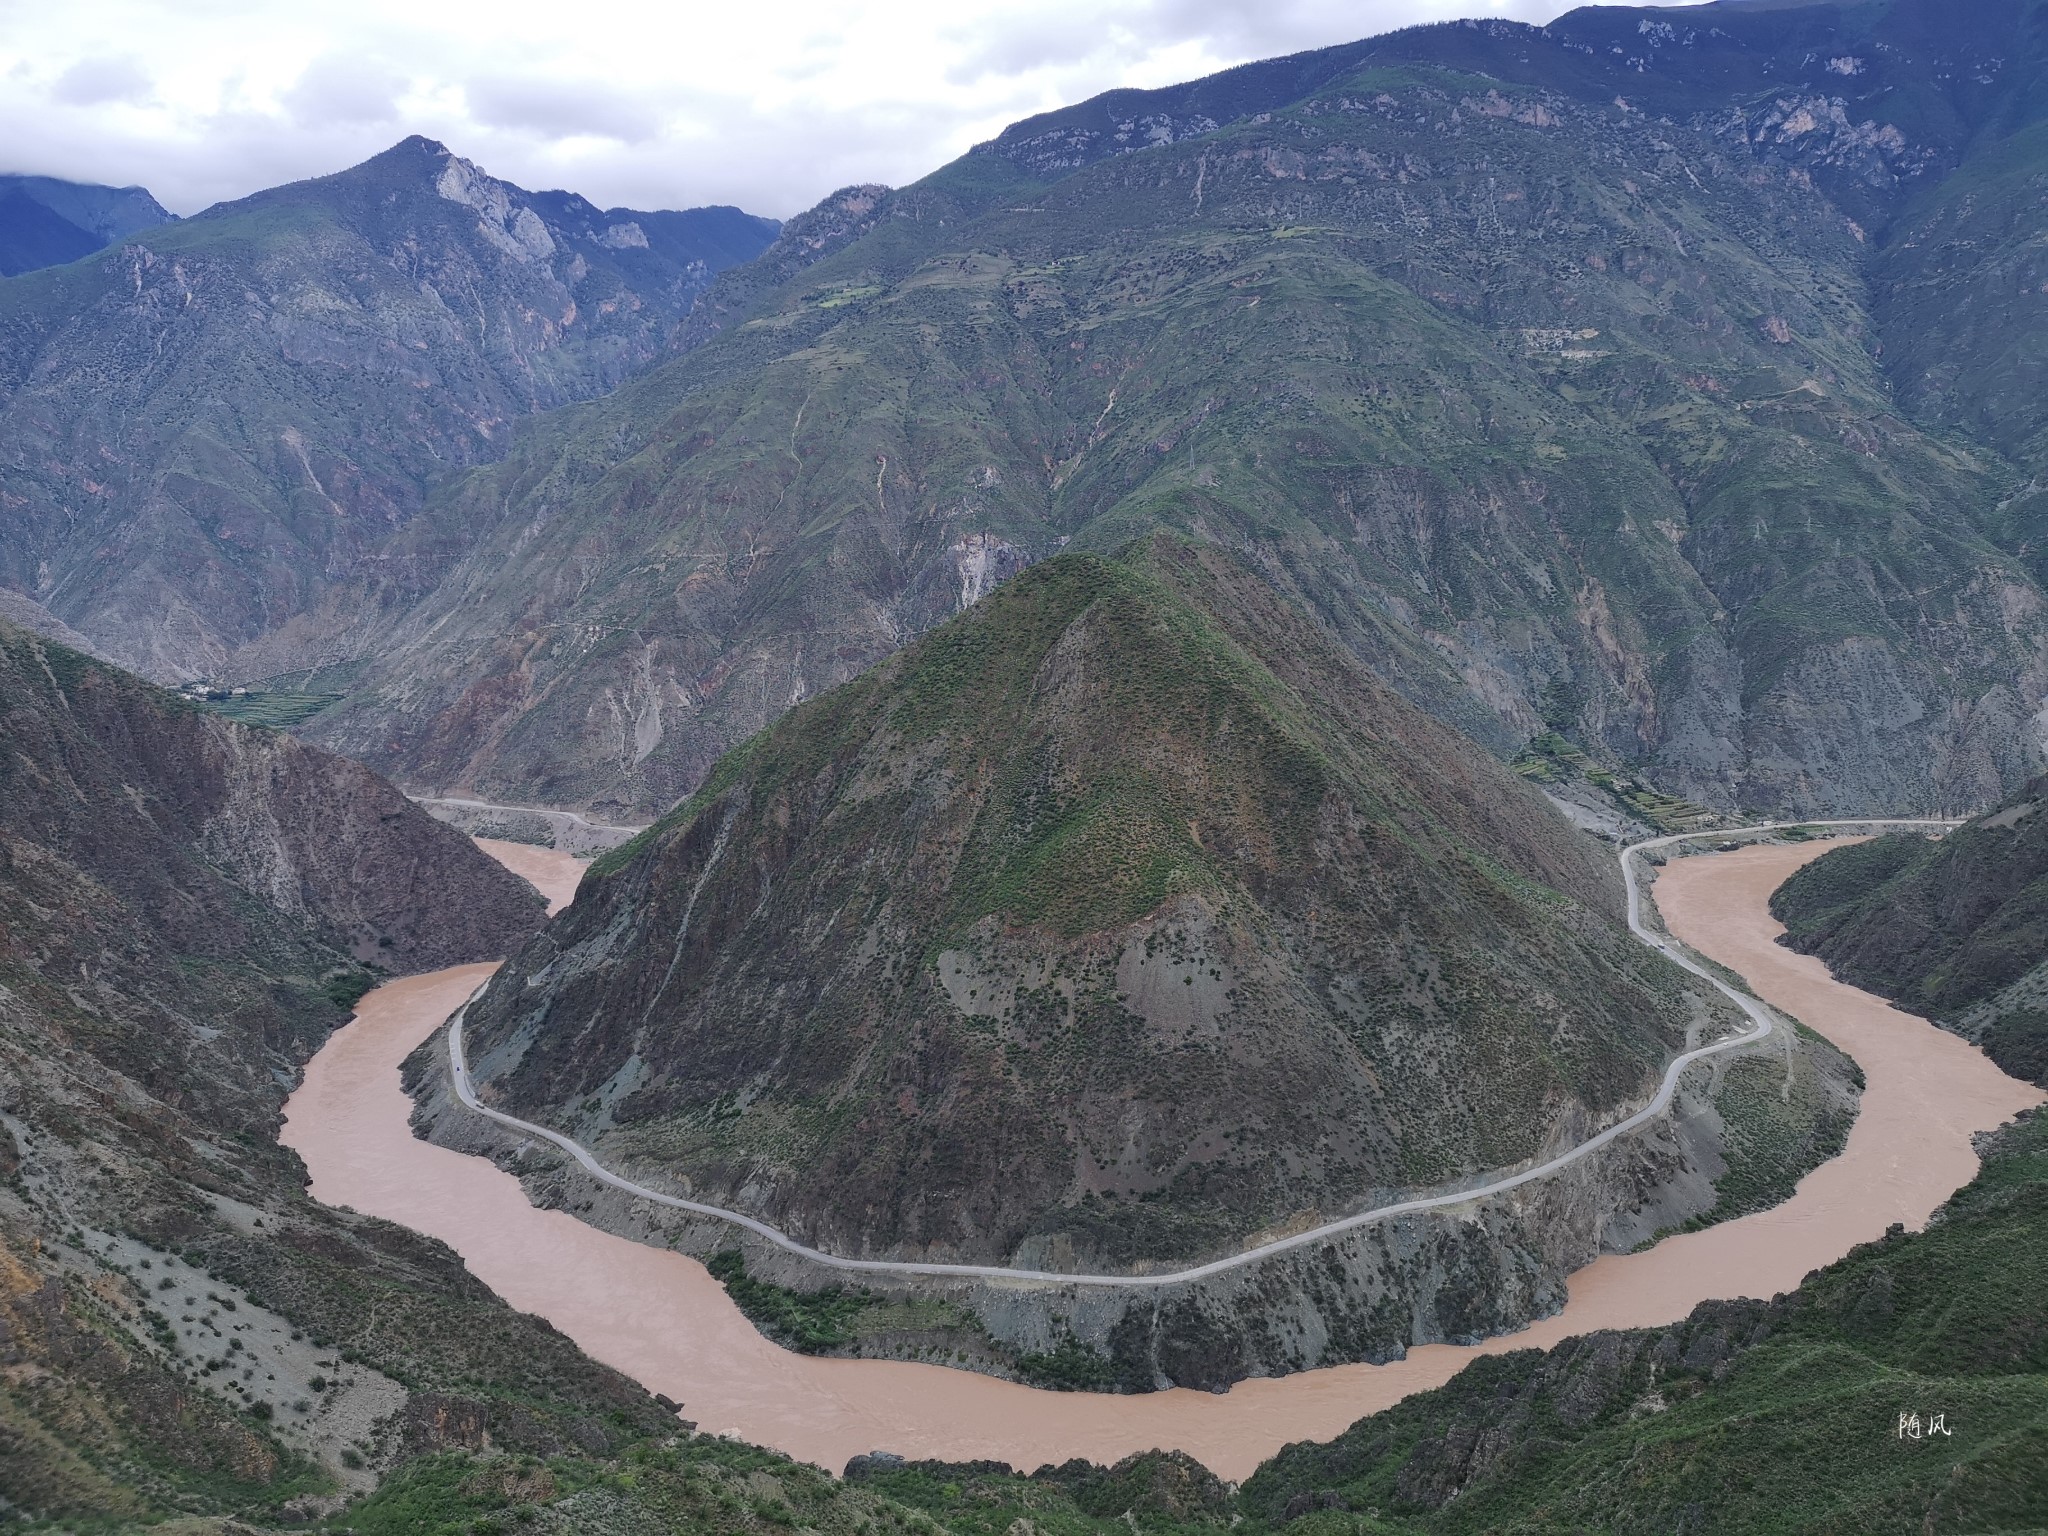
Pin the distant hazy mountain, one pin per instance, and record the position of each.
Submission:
(209, 431)
(32, 236)
(45, 222)
(1671, 378)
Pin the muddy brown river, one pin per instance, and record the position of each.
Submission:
(554, 875)
(660, 1318)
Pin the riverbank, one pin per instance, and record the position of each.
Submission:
(662, 1318)
(564, 832)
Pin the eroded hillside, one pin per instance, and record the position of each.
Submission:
(208, 432)
(185, 905)
(1582, 378)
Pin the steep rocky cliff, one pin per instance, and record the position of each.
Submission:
(1617, 377)
(208, 432)
(183, 819)
(185, 905)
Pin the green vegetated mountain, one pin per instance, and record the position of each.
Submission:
(46, 221)
(1961, 300)
(1750, 1416)
(209, 433)
(1121, 921)
(1955, 928)
(187, 907)
(1618, 378)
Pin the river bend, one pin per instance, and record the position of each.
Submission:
(659, 1317)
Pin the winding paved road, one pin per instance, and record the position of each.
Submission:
(1756, 1012)
(531, 810)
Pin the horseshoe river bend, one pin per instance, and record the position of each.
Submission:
(661, 1318)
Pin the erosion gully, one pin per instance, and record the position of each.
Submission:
(660, 1318)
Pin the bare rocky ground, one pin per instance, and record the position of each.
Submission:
(564, 831)
(208, 1331)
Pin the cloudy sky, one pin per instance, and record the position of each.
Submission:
(635, 102)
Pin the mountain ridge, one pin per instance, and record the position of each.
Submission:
(1956, 929)
(46, 221)
(1665, 301)
(380, 325)
(1584, 423)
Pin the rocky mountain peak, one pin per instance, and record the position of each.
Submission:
(505, 221)
(384, 322)
(415, 145)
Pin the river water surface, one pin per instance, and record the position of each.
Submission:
(660, 1318)
(554, 875)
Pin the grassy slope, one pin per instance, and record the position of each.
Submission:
(1952, 929)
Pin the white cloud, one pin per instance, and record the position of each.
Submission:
(649, 103)
(343, 90)
(550, 110)
(95, 82)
